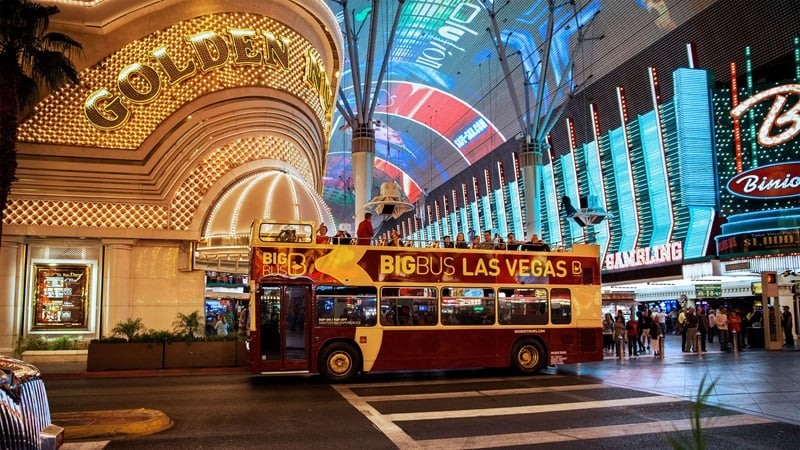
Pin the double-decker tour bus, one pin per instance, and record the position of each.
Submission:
(340, 310)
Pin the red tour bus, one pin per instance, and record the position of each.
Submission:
(340, 310)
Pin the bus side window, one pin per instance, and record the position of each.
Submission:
(560, 306)
(523, 306)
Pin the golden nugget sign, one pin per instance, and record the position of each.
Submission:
(142, 83)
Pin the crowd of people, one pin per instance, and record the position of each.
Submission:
(697, 326)
(365, 235)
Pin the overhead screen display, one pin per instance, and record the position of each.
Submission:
(446, 100)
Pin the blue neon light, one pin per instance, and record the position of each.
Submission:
(656, 174)
(626, 195)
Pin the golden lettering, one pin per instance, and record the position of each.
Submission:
(111, 115)
(277, 51)
(243, 46)
(146, 75)
(171, 69)
(140, 83)
(316, 79)
(210, 48)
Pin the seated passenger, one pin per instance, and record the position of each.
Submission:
(447, 242)
(342, 238)
(287, 236)
(394, 239)
(322, 234)
(404, 316)
(460, 241)
(499, 243)
(487, 243)
(512, 243)
(536, 245)
(476, 242)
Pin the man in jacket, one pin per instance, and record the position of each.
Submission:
(365, 232)
(690, 325)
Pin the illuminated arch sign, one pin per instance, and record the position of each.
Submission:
(141, 83)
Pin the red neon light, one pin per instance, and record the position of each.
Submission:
(737, 127)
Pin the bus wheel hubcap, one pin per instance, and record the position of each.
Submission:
(527, 358)
(339, 363)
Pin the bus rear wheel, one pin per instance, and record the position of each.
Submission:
(528, 356)
(339, 362)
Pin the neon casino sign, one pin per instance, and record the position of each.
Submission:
(141, 83)
(774, 118)
(778, 127)
(772, 181)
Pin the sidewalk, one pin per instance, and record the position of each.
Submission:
(756, 381)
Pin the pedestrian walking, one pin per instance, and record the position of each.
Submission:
(786, 323)
(722, 329)
(690, 327)
(656, 334)
(712, 325)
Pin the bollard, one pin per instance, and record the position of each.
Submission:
(620, 347)
(735, 341)
(698, 344)
(661, 346)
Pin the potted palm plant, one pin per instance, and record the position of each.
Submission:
(128, 348)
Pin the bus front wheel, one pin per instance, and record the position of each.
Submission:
(339, 362)
(528, 356)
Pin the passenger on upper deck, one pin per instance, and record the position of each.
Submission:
(487, 243)
(447, 242)
(342, 238)
(499, 243)
(512, 243)
(322, 234)
(536, 244)
(460, 242)
(365, 232)
(287, 235)
(476, 243)
(394, 239)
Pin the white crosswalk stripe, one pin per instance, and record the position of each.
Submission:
(392, 424)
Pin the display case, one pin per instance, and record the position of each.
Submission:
(61, 296)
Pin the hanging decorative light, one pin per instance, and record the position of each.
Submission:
(391, 201)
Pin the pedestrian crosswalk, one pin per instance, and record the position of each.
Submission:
(494, 412)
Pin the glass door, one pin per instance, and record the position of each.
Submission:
(284, 327)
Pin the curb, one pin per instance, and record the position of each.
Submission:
(119, 423)
(56, 373)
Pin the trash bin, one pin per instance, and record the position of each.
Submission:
(755, 337)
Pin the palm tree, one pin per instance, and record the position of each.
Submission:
(30, 57)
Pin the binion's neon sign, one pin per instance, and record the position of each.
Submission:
(780, 125)
(788, 122)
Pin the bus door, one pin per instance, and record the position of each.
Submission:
(284, 326)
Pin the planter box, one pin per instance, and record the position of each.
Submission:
(241, 353)
(200, 354)
(124, 356)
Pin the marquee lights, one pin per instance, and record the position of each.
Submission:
(788, 122)
(140, 83)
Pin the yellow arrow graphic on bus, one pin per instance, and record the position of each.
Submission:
(342, 264)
